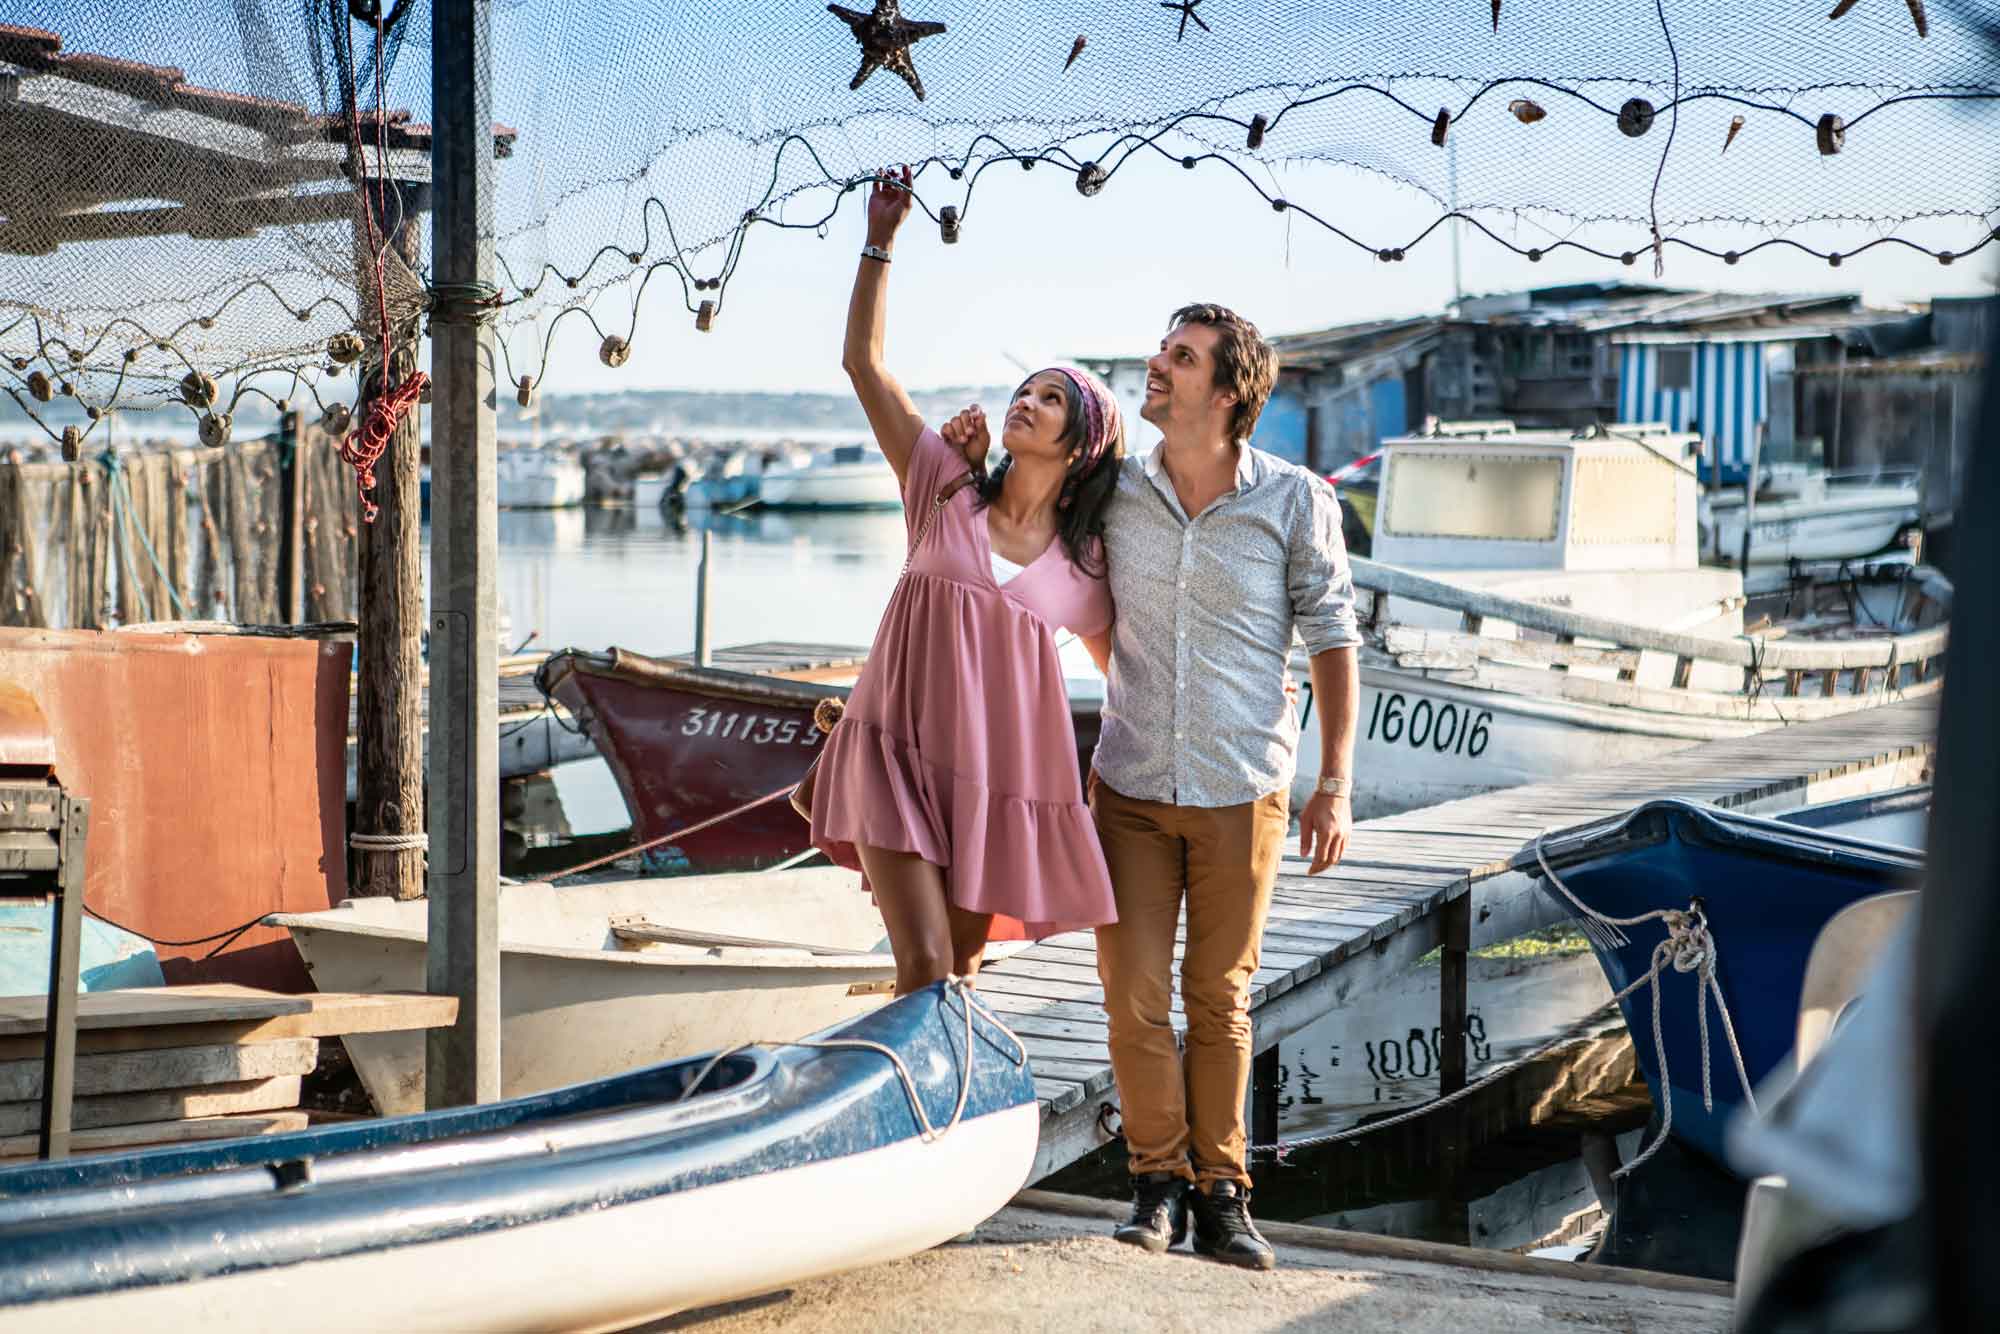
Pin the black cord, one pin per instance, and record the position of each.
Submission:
(224, 936)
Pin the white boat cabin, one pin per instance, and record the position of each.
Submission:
(1605, 522)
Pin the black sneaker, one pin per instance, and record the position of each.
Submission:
(1159, 1212)
(1223, 1230)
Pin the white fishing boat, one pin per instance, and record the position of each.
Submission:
(1536, 608)
(649, 490)
(531, 479)
(844, 477)
(601, 978)
(1807, 514)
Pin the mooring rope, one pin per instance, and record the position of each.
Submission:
(709, 823)
(1689, 947)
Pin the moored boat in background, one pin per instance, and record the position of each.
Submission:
(535, 479)
(604, 977)
(844, 477)
(689, 743)
(1535, 607)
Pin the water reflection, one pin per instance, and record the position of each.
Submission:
(1381, 1049)
(591, 578)
(1524, 1161)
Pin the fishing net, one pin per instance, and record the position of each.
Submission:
(210, 208)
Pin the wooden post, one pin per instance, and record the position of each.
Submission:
(1455, 937)
(389, 758)
(292, 522)
(702, 603)
(1265, 1069)
(1455, 941)
(463, 1061)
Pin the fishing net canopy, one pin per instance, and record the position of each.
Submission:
(211, 204)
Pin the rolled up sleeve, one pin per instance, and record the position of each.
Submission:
(1317, 574)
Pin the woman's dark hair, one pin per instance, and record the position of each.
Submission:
(1085, 492)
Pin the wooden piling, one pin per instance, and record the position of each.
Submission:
(389, 774)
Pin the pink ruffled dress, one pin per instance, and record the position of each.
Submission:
(957, 744)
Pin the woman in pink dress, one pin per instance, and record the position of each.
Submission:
(951, 782)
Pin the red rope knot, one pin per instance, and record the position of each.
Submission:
(365, 445)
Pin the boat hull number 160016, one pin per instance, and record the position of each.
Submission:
(1444, 728)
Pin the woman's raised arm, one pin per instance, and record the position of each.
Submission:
(891, 414)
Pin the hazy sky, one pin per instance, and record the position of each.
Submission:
(1041, 273)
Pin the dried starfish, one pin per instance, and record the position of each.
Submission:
(1186, 8)
(885, 37)
(1916, 7)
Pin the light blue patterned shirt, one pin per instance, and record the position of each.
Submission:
(1195, 711)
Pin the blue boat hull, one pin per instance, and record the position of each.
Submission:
(1765, 887)
(800, 1160)
(109, 957)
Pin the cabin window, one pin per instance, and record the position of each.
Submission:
(1474, 494)
(1676, 368)
(1624, 501)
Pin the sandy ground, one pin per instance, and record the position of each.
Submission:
(1048, 1264)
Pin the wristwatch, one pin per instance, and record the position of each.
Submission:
(1334, 787)
(875, 252)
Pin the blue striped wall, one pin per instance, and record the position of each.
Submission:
(1726, 400)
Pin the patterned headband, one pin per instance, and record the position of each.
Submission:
(1101, 422)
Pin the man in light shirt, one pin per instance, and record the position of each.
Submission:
(1218, 554)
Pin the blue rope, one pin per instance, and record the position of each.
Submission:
(121, 500)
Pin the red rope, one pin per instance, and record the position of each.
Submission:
(365, 444)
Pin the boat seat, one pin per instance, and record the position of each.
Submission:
(635, 929)
(1843, 955)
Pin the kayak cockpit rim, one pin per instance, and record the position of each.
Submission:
(636, 1106)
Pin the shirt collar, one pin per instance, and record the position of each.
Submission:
(1246, 465)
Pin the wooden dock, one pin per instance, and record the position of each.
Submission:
(1406, 887)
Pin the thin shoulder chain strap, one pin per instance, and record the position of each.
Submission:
(944, 495)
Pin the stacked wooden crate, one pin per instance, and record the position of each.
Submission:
(161, 1065)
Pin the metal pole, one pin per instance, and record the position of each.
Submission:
(463, 1061)
(1750, 497)
(1457, 273)
(702, 602)
(65, 937)
(1837, 457)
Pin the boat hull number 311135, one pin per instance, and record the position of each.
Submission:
(757, 729)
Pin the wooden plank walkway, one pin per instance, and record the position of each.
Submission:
(1406, 887)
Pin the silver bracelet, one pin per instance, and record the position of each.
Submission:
(874, 252)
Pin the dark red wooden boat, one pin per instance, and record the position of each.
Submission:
(687, 743)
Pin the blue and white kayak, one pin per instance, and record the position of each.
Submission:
(597, 1206)
(1752, 895)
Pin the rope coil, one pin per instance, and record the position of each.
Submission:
(1689, 947)
(389, 842)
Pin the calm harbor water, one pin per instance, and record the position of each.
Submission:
(1522, 1176)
